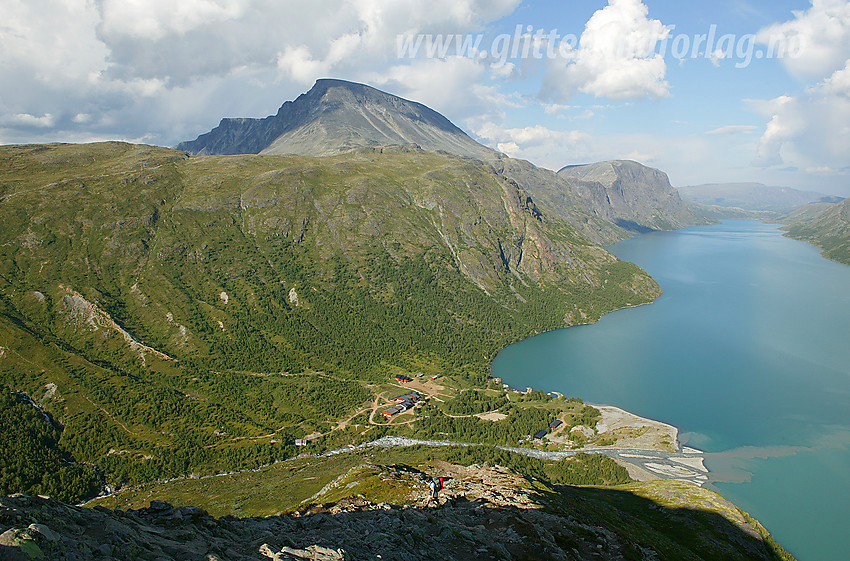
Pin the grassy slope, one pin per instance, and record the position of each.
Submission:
(829, 230)
(184, 307)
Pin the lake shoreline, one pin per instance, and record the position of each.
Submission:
(745, 352)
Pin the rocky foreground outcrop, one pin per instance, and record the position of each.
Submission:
(484, 513)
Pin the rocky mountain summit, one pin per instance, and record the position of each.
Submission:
(483, 513)
(336, 116)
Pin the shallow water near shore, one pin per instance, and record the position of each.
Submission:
(747, 353)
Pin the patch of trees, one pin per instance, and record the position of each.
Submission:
(33, 461)
(523, 420)
(473, 402)
(581, 469)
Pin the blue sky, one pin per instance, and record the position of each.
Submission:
(630, 84)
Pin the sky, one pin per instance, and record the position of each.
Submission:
(710, 92)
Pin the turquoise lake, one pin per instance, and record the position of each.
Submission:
(747, 353)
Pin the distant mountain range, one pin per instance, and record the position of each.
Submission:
(605, 202)
(754, 196)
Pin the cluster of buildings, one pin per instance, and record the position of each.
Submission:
(552, 426)
(403, 403)
(405, 379)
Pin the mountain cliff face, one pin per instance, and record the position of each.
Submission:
(753, 196)
(632, 196)
(337, 116)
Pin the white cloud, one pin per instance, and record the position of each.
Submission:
(824, 170)
(46, 42)
(717, 55)
(733, 129)
(151, 20)
(616, 57)
(783, 126)
(816, 42)
(455, 86)
(555, 108)
(167, 70)
(27, 120)
(810, 130)
(298, 63)
(544, 146)
(839, 83)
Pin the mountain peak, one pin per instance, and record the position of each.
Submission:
(336, 116)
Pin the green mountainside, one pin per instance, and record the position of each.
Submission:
(33, 461)
(165, 319)
(826, 226)
(183, 314)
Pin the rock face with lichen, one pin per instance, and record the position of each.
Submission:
(482, 513)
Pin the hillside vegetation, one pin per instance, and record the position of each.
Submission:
(828, 228)
(33, 461)
(180, 308)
